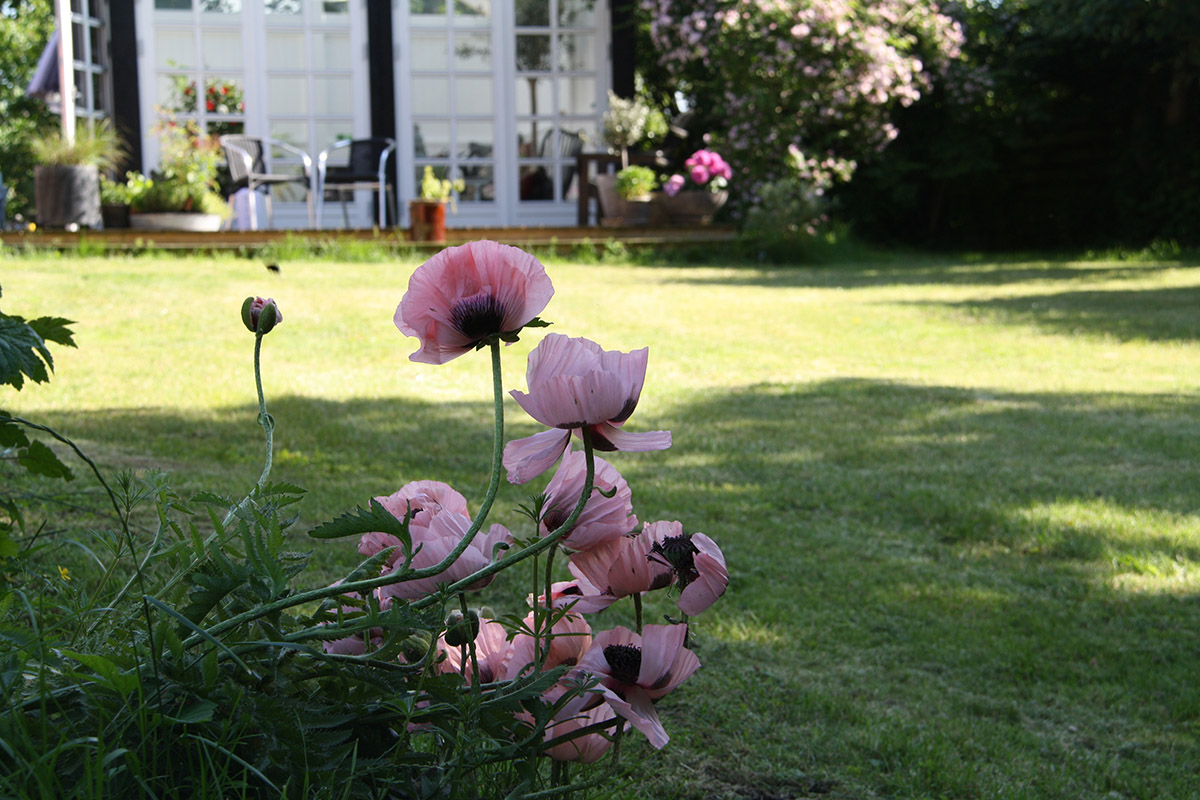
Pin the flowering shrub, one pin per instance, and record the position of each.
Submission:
(196, 667)
(820, 74)
(219, 96)
(705, 169)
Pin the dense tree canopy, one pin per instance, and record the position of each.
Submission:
(25, 27)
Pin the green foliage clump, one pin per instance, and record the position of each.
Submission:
(96, 145)
(186, 180)
(636, 181)
(25, 27)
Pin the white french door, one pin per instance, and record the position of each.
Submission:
(500, 94)
(293, 70)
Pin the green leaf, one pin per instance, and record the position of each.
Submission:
(122, 683)
(11, 434)
(197, 711)
(22, 353)
(538, 322)
(41, 460)
(53, 329)
(360, 521)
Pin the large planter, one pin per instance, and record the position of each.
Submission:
(693, 206)
(67, 196)
(428, 220)
(619, 211)
(175, 221)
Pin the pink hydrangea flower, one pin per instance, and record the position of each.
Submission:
(696, 561)
(575, 384)
(603, 519)
(465, 294)
(674, 185)
(636, 670)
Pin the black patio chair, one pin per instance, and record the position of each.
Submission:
(366, 170)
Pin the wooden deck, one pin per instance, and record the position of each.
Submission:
(128, 239)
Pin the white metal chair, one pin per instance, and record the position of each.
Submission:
(250, 168)
(366, 169)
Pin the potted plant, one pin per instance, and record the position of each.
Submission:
(66, 182)
(428, 214)
(182, 193)
(626, 124)
(632, 206)
(694, 198)
(114, 203)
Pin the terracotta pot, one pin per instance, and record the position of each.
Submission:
(428, 220)
(693, 206)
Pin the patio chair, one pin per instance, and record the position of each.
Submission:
(249, 168)
(366, 170)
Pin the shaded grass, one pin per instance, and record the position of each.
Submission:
(958, 498)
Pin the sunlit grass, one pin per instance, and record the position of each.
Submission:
(959, 498)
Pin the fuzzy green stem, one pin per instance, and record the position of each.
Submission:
(541, 656)
(370, 584)
(264, 418)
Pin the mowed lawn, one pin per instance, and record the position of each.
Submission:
(958, 497)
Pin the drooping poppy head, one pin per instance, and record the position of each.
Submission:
(608, 514)
(466, 294)
(696, 561)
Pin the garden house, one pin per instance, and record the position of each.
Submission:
(499, 93)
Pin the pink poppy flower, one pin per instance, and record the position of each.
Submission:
(425, 499)
(492, 652)
(636, 670)
(586, 749)
(578, 595)
(570, 637)
(575, 384)
(696, 561)
(433, 543)
(606, 573)
(465, 294)
(603, 518)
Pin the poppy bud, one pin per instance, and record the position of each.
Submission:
(259, 315)
(460, 629)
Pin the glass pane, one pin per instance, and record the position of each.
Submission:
(531, 136)
(285, 51)
(222, 127)
(532, 13)
(173, 5)
(432, 139)
(97, 43)
(431, 96)
(472, 13)
(534, 95)
(473, 95)
(287, 95)
(428, 12)
(479, 180)
(537, 182)
(175, 49)
(576, 52)
(99, 98)
(533, 53)
(335, 12)
(177, 93)
(577, 95)
(330, 131)
(286, 8)
(473, 51)
(77, 34)
(293, 132)
(223, 95)
(222, 49)
(330, 50)
(576, 13)
(333, 95)
(221, 6)
(476, 139)
(430, 52)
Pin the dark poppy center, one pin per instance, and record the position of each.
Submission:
(678, 553)
(554, 517)
(478, 316)
(624, 662)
